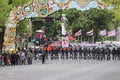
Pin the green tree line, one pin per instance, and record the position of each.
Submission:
(96, 19)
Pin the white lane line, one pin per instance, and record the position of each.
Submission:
(10, 73)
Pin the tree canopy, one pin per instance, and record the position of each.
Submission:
(97, 19)
(4, 12)
(5, 8)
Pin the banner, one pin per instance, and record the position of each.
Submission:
(78, 33)
(90, 33)
(103, 32)
(111, 33)
(65, 44)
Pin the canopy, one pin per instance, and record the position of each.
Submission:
(40, 31)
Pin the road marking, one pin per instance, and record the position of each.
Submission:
(10, 73)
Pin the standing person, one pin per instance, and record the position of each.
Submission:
(118, 53)
(62, 55)
(66, 54)
(43, 57)
(71, 53)
(80, 53)
(65, 49)
(56, 53)
(89, 53)
(23, 57)
(13, 57)
(5, 58)
(85, 53)
(35, 53)
(18, 57)
(52, 53)
(75, 53)
(49, 50)
(108, 54)
(103, 54)
(113, 54)
(2, 59)
(29, 58)
(98, 54)
(46, 52)
(93, 53)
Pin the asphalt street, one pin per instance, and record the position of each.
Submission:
(63, 70)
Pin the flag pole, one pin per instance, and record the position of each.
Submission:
(78, 38)
(81, 36)
(93, 38)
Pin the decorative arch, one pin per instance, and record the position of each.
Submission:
(41, 8)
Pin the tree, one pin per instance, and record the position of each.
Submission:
(96, 19)
(4, 12)
(22, 29)
(116, 9)
(16, 3)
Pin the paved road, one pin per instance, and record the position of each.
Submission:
(63, 70)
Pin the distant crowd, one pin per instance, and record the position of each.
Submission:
(26, 56)
(17, 57)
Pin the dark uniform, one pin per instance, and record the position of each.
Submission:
(75, 53)
(66, 54)
(118, 53)
(43, 57)
(62, 55)
(103, 54)
(85, 53)
(93, 54)
(71, 53)
(114, 54)
(108, 54)
(80, 53)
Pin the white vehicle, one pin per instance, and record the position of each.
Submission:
(110, 46)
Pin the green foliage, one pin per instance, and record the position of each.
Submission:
(4, 11)
(5, 8)
(96, 19)
(116, 10)
(22, 29)
(16, 3)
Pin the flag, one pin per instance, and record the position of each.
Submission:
(111, 33)
(90, 33)
(69, 32)
(103, 32)
(70, 37)
(78, 33)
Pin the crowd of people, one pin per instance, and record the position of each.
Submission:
(26, 56)
(16, 57)
(82, 53)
